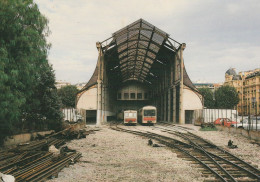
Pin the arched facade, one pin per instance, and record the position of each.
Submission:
(140, 65)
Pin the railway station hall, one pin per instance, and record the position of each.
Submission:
(139, 65)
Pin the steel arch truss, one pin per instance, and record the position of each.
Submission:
(137, 46)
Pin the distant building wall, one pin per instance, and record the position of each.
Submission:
(60, 84)
(247, 85)
(132, 92)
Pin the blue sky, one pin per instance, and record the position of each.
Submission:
(219, 34)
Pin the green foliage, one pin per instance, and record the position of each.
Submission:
(208, 129)
(68, 95)
(226, 97)
(44, 110)
(24, 68)
(208, 97)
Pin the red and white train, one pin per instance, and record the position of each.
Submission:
(130, 117)
(147, 115)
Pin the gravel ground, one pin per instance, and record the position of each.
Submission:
(110, 155)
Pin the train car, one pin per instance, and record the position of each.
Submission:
(147, 115)
(130, 117)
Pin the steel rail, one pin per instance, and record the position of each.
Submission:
(207, 153)
(151, 135)
(223, 151)
(227, 152)
(20, 161)
(210, 153)
(57, 168)
(53, 166)
(216, 147)
(34, 167)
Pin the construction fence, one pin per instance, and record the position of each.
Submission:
(73, 115)
(248, 122)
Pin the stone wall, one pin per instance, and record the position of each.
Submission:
(25, 137)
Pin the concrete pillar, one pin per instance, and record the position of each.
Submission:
(181, 109)
(164, 97)
(104, 91)
(104, 100)
(175, 70)
(99, 85)
(174, 105)
(99, 100)
(170, 80)
(162, 106)
(169, 105)
(165, 106)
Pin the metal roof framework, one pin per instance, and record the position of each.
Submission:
(137, 46)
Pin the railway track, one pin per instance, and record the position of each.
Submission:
(216, 164)
(33, 162)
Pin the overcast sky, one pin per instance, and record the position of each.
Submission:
(219, 34)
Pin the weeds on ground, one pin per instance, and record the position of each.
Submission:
(208, 129)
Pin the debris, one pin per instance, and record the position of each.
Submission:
(150, 142)
(66, 149)
(156, 145)
(6, 178)
(54, 150)
(21, 144)
(43, 153)
(230, 144)
(39, 136)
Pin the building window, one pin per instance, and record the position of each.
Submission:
(139, 95)
(132, 95)
(126, 96)
(119, 96)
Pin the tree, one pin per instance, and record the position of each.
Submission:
(67, 95)
(23, 62)
(226, 97)
(208, 97)
(44, 110)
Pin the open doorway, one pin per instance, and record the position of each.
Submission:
(91, 116)
(189, 116)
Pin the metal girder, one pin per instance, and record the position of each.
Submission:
(136, 50)
(138, 45)
(140, 28)
(134, 40)
(123, 66)
(147, 50)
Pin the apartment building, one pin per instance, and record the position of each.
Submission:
(247, 84)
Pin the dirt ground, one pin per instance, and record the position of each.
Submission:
(110, 155)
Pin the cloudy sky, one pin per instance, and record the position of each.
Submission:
(219, 34)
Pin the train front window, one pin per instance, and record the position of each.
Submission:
(149, 112)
